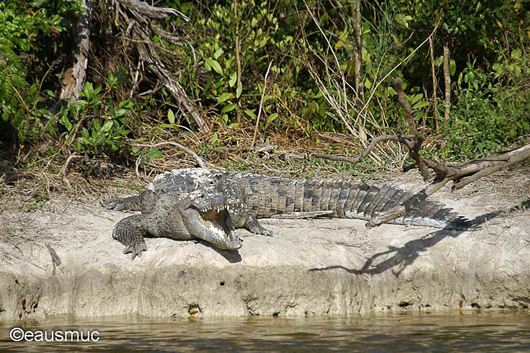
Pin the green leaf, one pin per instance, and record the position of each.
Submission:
(239, 90)
(107, 126)
(272, 117)
(229, 108)
(97, 125)
(233, 79)
(214, 65)
(516, 54)
(415, 98)
(154, 153)
(125, 104)
(171, 116)
(452, 67)
(420, 105)
(66, 122)
(224, 97)
(218, 53)
(250, 113)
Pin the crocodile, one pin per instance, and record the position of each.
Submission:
(209, 204)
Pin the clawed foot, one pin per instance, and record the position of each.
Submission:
(259, 229)
(135, 249)
(109, 204)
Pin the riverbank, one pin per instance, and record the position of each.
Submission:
(310, 267)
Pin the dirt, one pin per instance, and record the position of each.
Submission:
(309, 267)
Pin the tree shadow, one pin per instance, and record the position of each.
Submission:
(408, 253)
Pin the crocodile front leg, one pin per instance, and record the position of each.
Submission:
(130, 232)
(243, 218)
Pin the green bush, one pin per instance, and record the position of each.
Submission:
(27, 29)
(310, 84)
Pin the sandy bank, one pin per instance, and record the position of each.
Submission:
(309, 267)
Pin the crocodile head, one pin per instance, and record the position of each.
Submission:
(208, 217)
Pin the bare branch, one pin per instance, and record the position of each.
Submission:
(139, 27)
(415, 147)
(491, 164)
(195, 156)
(153, 11)
(261, 104)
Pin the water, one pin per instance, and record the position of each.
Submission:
(464, 332)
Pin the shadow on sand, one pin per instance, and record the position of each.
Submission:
(408, 253)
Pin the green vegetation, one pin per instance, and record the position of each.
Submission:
(315, 83)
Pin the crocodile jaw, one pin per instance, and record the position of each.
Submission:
(212, 225)
(219, 223)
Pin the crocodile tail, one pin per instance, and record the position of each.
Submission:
(268, 196)
(129, 203)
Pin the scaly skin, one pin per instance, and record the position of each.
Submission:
(180, 216)
(177, 204)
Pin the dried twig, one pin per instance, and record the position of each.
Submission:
(303, 215)
(56, 261)
(414, 147)
(153, 11)
(195, 156)
(261, 105)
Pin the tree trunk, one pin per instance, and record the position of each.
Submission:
(75, 76)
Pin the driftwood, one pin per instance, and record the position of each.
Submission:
(439, 174)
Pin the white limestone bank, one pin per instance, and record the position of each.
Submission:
(309, 267)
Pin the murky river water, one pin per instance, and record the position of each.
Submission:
(463, 332)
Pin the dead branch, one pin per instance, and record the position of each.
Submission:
(261, 104)
(414, 146)
(461, 174)
(139, 19)
(358, 58)
(153, 11)
(195, 156)
(303, 215)
(470, 171)
(75, 76)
